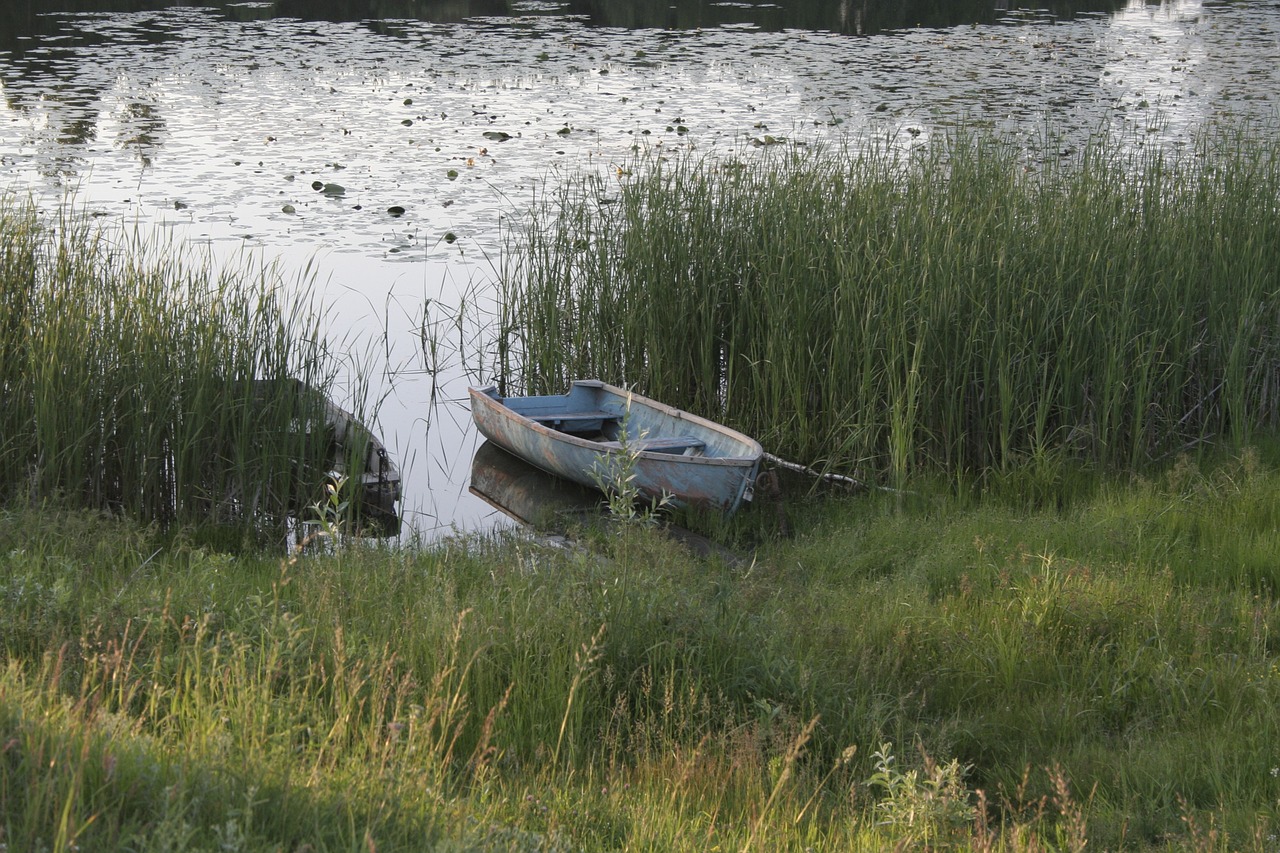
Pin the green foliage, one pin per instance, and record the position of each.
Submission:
(930, 673)
(136, 382)
(1077, 661)
(615, 475)
(972, 307)
(929, 808)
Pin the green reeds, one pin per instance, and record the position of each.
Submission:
(970, 306)
(136, 381)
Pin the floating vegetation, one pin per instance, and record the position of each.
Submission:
(965, 307)
(329, 190)
(168, 87)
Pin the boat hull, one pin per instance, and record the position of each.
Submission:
(702, 463)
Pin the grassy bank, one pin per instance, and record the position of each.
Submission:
(1097, 667)
(916, 672)
(138, 379)
(968, 307)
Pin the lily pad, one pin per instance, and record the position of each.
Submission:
(332, 190)
(288, 208)
(496, 135)
(395, 210)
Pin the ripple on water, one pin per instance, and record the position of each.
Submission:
(216, 125)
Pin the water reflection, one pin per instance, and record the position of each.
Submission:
(215, 122)
(528, 495)
(850, 17)
(551, 507)
(1153, 52)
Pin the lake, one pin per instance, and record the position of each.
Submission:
(386, 146)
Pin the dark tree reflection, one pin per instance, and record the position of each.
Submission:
(853, 17)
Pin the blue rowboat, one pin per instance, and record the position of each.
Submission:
(691, 459)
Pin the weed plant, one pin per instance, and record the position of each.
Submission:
(969, 306)
(615, 475)
(136, 381)
(904, 674)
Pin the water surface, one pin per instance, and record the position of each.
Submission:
(389, 144)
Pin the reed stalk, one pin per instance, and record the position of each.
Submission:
(135, 380)
(971, 306)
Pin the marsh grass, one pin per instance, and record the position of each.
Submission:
(913, 674)
(973, 306)
(136, 379)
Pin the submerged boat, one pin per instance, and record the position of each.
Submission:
(345, 450)
(677, 454)
(355, 453)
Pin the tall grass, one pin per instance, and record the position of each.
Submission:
(922, 676)
(136, 380)
(969, 306)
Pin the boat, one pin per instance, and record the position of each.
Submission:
(677, 455)
(357, 454)
(548, 505)
(347, 451)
